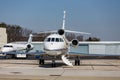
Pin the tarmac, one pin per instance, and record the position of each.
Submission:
(90, 69)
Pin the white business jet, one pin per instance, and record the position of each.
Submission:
(56, 44)
(14, 48)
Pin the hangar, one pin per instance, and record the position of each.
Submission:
(91, 48)
(98, 48)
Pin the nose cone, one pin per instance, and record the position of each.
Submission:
(54, 46)
(48, 46)
(6, 49)
(54, 42)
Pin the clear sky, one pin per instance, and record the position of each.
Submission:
(99, 17)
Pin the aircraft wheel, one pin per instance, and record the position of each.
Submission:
(77, 61)
(53, 63)
(41, 61)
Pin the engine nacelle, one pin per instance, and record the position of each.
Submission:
(29, 47)
(75, 42)
(61, 32)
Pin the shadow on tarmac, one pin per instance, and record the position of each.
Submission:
(49, 65)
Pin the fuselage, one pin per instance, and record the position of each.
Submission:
(13, 47)
(55, 44)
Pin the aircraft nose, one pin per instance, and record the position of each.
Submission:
(4, 50)
(49, 46)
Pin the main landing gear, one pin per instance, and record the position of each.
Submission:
(41, 60)
(53, 63)
(77, 61)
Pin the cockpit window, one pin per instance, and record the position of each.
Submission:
(48, 40)
(53, 39)
(57, 39)
(8, 46)
(61, 40)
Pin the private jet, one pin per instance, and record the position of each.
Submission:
(56, 44)
(17, 49)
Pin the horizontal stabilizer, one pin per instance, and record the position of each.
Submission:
(69, 31)
(55, 31)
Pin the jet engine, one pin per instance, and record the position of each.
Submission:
(75, 42)
(29, 47)
(61, 31)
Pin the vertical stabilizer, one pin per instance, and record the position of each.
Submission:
(63, 26)
(30, 39)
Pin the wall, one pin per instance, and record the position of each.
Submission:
(3, 36)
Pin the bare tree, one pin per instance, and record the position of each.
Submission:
(15, 32)
(92, 39)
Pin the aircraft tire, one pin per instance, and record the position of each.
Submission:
(43, 61)
(53, 63)
(77, 62)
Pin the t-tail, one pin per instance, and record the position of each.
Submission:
(62, 31)
(29, 45)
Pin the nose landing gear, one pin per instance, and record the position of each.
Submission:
(53, 63)
(42, 61)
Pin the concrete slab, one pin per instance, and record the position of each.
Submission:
(89, 69)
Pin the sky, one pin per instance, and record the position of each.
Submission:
(101, 18)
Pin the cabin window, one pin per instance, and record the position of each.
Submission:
(57, 39)
(8, 46)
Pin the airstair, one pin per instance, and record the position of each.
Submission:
(66, 61)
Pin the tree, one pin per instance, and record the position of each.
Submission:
(26, 32)
(92, 39)
(3, 25)
(70, 36)
(80, 38)
(15, 32)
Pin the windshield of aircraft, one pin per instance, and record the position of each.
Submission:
(54, 40)
(8, 46)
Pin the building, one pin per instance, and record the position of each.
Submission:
(3, 36)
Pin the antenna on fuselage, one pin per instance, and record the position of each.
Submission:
(63, 26)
